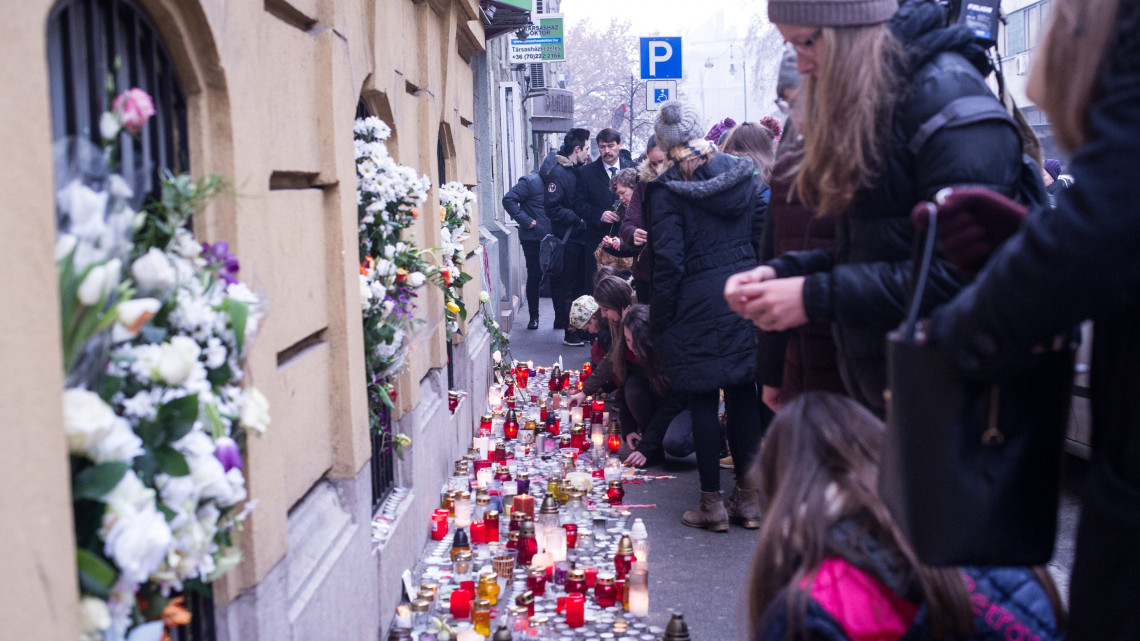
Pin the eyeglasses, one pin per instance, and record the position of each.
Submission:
(806, 45)
(782, 105)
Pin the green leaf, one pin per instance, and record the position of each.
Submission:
(217, 427)
(150, 432)
(219, 376)
(166, 511)
(96, 576)
(239, 314)
(146, 466)
(177, 417)
(95, 481)
(171, 461)
(107, 385)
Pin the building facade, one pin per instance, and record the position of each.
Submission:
(265, 94)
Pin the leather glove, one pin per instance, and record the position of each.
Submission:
(972, 223)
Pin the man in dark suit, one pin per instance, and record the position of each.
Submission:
(594, 205)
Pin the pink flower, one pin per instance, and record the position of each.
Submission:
(133, 108)
(228, 453)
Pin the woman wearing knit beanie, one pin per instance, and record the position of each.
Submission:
(897, 108)
(704, 228)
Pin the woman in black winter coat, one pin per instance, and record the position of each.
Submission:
(898, 109)
(1075, 262)
(703, 229)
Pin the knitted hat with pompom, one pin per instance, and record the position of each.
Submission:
(831, 13)
(677, 124)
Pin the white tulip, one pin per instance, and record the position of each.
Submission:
(91, 289)
(365, 293)
(87, 420)
(64, 245)
(177, 359)
(255, 411)
(415, 279)
(135, 313)
(484, 297)
(152, 272)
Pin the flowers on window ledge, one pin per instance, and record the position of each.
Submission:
(155, 411)
(456, 202)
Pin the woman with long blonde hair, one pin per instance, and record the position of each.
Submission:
(1078, 261)
(896, 108)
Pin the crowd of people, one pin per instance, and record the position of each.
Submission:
(756, 269)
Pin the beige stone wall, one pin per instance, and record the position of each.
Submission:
(272, 88)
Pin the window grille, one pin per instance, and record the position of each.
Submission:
(201, 626)
(93, 41)
(383, 462)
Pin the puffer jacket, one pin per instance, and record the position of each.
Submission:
(861, 285)
(635, 219)
(847, 603)
(561, 179)
(1075, 262)
(526, 202)
(702, 231)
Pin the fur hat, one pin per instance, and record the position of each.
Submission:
(582, 310)
(677, 124)
(831, 13)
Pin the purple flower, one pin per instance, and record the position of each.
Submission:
(228, 453)
(219, 255)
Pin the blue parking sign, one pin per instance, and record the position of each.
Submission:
(661, 95)
(660, 58)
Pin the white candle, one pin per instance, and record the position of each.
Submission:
(639, 589)
(576, 414)
(556, 543)
(483, 444)
(483, 477)
(468, 634)
(542, 560)
(495, 398)
(403, 616)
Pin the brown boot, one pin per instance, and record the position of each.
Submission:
(744, 507)
(710, 515)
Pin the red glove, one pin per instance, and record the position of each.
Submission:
(972, 223)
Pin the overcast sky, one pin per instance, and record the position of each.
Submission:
(669, 17)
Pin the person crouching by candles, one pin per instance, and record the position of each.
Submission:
(704, 228)
(655, 418)
(612, 296)
(829, 553)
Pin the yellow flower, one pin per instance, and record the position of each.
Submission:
(452, 307)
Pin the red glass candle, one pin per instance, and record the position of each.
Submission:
(522, 375)
(536, 581)
(511, 426)
(452, 401)
(500, 452)
(578, 439)
(576, 582)
(528, 546)
(460, 604)
(571, 535)
(552, 426)
(613, 441)
(575, 610)
(596, 409)
(560, 605)
(587, 369)
(439, 525)
(543, 413)
(591, 577)
(485, 425)
(511, 402)
(512, 540)
(510, 390)
(615, 493)
(478, 532)
(606, 592)
(622, 564)
(503, 473)
(565, 380)
(491, 523)
(482, 464)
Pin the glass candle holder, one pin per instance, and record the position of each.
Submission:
(481, 616)
(536, 581)
(460, 604)
(575, 610)
(576, 582)
(504, 563)
(605, 593)
(488, 587)
(438, 524)
(638, 586)
(615, 493)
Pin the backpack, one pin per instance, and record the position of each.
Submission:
(550, 250)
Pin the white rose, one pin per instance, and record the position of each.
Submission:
(255, 411)
(185, 245)
(109, 126)
(85, 207)
(484, 297)
(177, 359)
(497, 356)
(120, 445)
(86, 419)
(119, 188)
(135, 313)
(138, 543)
(152, 272)
(365, 293)
(415, 279)
(94, 617)
(129, 496)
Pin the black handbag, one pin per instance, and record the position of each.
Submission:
(550, 250)
(971, 471)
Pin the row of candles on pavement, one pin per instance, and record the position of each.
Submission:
(546, 545)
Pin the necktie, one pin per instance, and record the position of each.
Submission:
(613, 170)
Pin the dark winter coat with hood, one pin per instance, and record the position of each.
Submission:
(526, 203)
(560, 176)
(861, 285)
(702, 231)
(1075, 262)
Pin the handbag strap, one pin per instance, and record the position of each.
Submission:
(919, 276)
(566, 236)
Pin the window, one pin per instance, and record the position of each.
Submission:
(201, 626)
(1015, 33)
(383, 463)
(92, 41)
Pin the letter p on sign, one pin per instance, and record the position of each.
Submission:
(660, 58)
